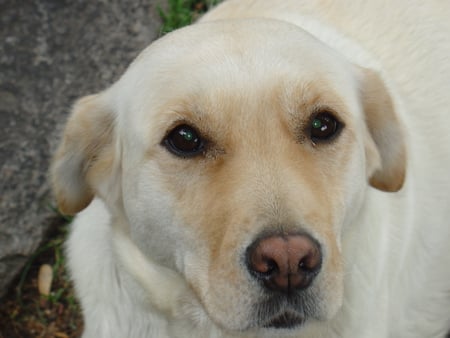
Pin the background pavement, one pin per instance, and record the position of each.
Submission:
(52, 52)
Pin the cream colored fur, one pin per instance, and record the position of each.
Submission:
(156, 249)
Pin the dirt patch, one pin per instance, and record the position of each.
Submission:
(26, 313)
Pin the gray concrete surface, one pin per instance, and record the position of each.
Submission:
(52, 52)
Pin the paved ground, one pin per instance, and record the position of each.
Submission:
(51, 52)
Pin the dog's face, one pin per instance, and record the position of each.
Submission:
(238, 153)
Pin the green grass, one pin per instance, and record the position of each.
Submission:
(182, 13)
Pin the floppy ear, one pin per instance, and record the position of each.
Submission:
(386, 150)
(85, 158)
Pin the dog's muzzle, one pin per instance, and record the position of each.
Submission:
(285, 265)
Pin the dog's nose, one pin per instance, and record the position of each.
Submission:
(284, 262)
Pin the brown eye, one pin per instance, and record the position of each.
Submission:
(323, 127)
(184, 141)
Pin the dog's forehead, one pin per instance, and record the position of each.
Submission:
(231, 54)
(242, 39)
(245, 61)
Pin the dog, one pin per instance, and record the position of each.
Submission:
(277, 169)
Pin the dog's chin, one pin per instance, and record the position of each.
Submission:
(285, 320)
(282, 312)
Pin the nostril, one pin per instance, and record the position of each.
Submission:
(262, 267)
(311, 262)
(271, 267)
(302, 265)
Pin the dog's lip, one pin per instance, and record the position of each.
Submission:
(285, 320)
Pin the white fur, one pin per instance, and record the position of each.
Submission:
(395, 246)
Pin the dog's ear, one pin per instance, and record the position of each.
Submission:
(86, 157)
(385, 148)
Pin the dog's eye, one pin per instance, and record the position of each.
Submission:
(184, 141)
(324, 126)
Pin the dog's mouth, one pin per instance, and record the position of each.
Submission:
(285, 320)
(282, 312)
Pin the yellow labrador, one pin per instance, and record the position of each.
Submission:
(279, 169)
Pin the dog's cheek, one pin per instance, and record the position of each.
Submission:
(209, 254)
(149, 209)
(220, 289)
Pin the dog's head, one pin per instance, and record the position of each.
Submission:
(237, 154)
